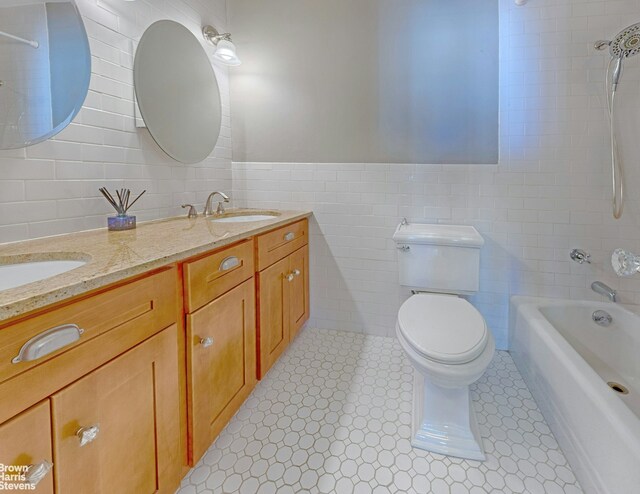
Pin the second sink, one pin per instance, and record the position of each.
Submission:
(244, 216)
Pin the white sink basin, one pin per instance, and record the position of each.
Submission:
(244, 218)
(18, 274)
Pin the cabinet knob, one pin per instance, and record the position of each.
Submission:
(296, 272)
(289, 236)
(36, 472)
(87, 434)
(206, 342)
(289, 277)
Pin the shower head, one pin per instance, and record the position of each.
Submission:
(626, 43)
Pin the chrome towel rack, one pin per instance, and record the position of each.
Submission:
(34, 44)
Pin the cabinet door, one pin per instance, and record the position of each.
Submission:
(117, 429)
(26, 440)
(299, 286)
(273, 304)
(222, 362)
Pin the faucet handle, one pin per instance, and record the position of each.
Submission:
(580, 256)
(625, 263)
(192, 210)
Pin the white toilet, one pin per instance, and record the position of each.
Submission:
(444, 336)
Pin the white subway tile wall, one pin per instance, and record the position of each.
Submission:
(550, 192)
(52, 187)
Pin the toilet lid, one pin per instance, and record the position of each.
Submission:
(443, 328)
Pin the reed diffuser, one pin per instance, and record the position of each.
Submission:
(122, 221)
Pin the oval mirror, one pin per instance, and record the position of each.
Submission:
(45, 68)
(177, 92)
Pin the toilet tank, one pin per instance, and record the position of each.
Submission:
(439, 258)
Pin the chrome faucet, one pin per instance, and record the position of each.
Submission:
(208, 211)
(602, 289)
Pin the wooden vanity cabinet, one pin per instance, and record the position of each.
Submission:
(120, 375)
(299, 298)
(222, 362)
(221, 340)
(106, 407)
(118, 429)
(283, 290)
(274, 314)
(26, 440)
(111, 322)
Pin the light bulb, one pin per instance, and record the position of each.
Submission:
(226, 53)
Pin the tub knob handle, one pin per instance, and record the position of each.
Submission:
(580, 256)
(625, 263)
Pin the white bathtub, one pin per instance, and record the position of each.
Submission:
(567, 360)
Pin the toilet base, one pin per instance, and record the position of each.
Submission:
(444, 420)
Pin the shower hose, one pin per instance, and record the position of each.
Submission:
(617, 171)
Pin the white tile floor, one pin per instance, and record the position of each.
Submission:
(334, 414)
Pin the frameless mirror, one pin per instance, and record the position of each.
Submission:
(45, 68)
(177, 92)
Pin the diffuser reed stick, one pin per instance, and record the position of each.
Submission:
(122, 205)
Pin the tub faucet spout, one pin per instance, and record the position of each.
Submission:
(602, 289)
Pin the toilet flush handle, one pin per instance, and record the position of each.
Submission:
(404, 248)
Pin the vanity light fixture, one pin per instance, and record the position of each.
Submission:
(225, 49)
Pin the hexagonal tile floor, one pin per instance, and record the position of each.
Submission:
(334, 415)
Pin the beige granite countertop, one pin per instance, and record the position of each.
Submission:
(115, 256)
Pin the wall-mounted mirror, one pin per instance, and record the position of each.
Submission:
(45, 68)
(177, 92)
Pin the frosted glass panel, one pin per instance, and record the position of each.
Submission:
(388, 81)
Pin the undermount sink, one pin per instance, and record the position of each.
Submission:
(244, 217)
(21, 273)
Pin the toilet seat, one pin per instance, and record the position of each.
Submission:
(443, 328)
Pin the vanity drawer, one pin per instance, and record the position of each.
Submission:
(277, 244)
(207, 278)
(148, 303)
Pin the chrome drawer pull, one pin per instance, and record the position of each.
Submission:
(289, 236)
(88, 434)
(229, 263)
(206, 342)
(35, 473)
(48, 342)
